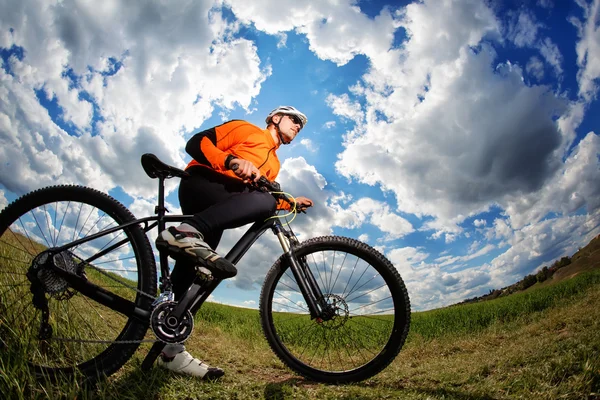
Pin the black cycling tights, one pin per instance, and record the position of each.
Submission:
(217, 202)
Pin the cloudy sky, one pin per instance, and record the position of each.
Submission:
(458, 137)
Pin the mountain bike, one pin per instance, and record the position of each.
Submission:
(78, 289)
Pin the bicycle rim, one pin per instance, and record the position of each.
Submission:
(83, 332)
(372, 312)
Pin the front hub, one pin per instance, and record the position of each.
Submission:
(336, 313)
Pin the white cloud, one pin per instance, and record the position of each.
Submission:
(542, 243)
(323, 23)
(460, 136)
(329, 125)
(478, 135)
(552, 54)
(429, 285)
(282, 40)
(3, 200)
(588, 49)
(523, 29)
(569, 122)
(501, 229)
(407, 260)
(535, 67)
(575, 185)
(447, 261)
(479, 223)
(344, 107)
(309, 144)
(377, 213)
(153, 72)
(448, 280)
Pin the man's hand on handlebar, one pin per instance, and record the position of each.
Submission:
(245, 170)
(302, 203)
(251, 176)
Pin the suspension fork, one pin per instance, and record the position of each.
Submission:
(304, 277)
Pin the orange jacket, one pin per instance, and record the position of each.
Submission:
(241, 139)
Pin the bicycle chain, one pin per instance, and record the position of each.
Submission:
(106, 341)
(112, 341)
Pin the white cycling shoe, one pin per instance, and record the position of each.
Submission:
(184, 363)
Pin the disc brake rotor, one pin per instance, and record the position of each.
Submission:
(338, 312)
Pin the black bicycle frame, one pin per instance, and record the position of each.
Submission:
(306, 281)
(197, 293)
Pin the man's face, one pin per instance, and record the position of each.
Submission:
(289, 125)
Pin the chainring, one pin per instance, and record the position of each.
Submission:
(170, 329)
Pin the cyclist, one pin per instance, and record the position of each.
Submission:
(218, 197)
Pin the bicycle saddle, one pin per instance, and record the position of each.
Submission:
(158, 169)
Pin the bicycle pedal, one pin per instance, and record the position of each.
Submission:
(204, 273)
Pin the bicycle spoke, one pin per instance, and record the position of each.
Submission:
(350, 278)
(28, 237)
(316, 264)
(291, 301)
(339, 270)
(63, 218)
(358, 316)
(40, 229)
(81, 330)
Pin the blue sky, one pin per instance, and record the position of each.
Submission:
(458, 137)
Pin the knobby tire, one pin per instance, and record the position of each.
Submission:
(55, 216)
(371, 323)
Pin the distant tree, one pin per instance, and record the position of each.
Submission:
(543, 274)
(563, 262)
(528, 281)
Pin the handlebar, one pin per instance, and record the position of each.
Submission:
(265, 185)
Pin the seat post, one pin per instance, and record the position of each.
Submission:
(160, 208)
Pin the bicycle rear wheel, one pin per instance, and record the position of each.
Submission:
(79, 336)
(372, 315)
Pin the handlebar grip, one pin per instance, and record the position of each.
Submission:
(264, 183)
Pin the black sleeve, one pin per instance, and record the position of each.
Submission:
(193, 145)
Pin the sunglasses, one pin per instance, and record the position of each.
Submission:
(295, 120)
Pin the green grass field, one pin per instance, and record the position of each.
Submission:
(540, 344)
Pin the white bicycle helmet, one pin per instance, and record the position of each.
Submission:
(287, 110)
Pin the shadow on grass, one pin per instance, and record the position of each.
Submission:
(286, 390)
(283, 389)
(444, 393)
(135, 383)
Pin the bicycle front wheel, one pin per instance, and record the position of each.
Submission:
(371, 304)
(54, 328)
